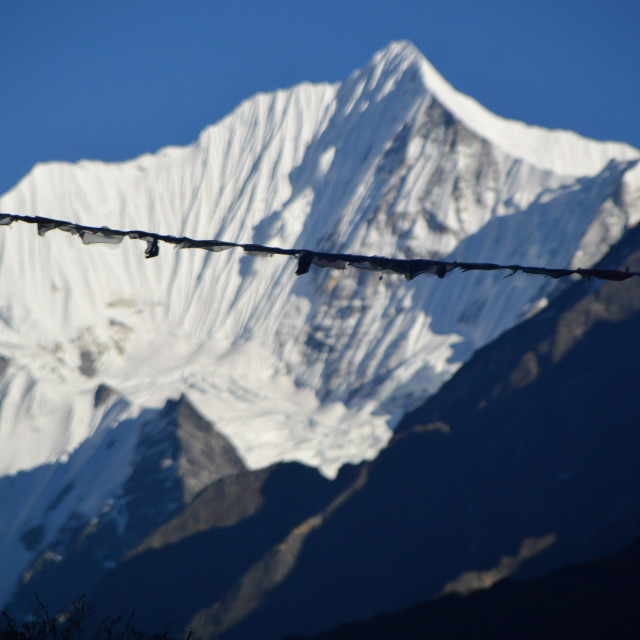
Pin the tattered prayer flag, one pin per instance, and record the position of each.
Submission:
(306, 258)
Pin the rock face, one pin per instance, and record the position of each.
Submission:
(176, 454)
(203, 454)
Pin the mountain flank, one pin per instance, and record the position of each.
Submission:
(592, 600)
(533, 460)
(524, 463)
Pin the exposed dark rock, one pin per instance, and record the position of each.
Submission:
(32, 537)
(88, 362)
(103, 394)
(62, 494)
(205, 455)
(178, 453)
(224, 503)
(4, 365)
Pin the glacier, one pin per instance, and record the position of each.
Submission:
(393, 161)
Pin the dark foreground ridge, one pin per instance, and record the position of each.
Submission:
(594, 600)
(406, 267)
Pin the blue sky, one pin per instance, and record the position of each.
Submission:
(112, 80)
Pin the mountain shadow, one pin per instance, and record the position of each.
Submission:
(166, 457)
(196, 558)
(592, 600)
(532, 446)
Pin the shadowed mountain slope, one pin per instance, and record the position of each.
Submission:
(528, 455)
(525, 462)
(592, 600)
(176, 453)
(196, 558)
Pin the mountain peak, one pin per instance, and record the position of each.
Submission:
(317, 369)
(206, 454)
(564, 152)
(399, 50)
(379, 164)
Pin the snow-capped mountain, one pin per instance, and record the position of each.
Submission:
(319, 369)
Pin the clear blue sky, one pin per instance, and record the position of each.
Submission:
(112, 80)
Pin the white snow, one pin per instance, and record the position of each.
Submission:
(556, 150)
(260, 350)
(316, 368)
(300, 167)
(48, 496)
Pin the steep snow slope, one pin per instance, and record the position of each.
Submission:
(393, 161)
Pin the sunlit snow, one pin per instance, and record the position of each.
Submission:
(393, 161)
